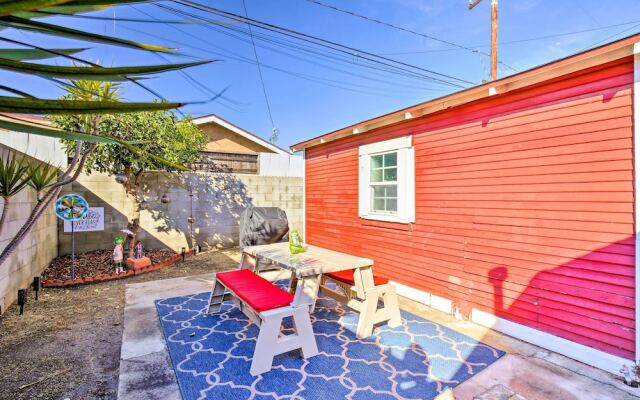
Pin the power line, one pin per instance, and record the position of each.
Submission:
(399, 65)
(349, 86)
(407, 30)
(344, 85)
(531, 39)
(274, 131)
(610, 36)
(300, 47)
(190, 80)
(309, 50)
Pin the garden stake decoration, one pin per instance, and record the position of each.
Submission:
(118, 254)
(138, 251)
(71, 207)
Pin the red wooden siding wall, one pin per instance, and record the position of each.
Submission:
(524, 207)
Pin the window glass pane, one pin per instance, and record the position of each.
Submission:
(378, 204)
(376, 175)
(390, 159)
(376, 161)
(391, 174)
(379, 191)
(392, 191)
(392, 205)
(384, 198)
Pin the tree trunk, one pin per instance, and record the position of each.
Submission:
(5, 209)
(42, 205)
(134, 223)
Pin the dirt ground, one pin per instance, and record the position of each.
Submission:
(67, 344)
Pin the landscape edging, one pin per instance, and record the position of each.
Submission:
(58, 283)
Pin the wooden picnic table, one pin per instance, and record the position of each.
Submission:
(307, 268)
(306, 276)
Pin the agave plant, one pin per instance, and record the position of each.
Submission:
(41, 176)
(25, 15)
(14, 176)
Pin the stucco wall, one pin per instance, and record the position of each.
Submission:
(217, 202)
(34, 253)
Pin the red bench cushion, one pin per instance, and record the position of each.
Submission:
(347, 277)
(256, 291)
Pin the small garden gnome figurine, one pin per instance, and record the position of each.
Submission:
(118, 254)
(138, 251)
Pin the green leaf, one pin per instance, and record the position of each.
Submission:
(63, 7)
(42, 27)
(35, 54)
(152, 156)
(92, 73)
(28, 5)
(41, 106)
(42, 175)
(55, 133)
(78, 136)
(14, 175)
(16, 91)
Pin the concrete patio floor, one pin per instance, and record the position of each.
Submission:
(525, 372)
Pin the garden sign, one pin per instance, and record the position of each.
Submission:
(92, 221)
(71, 208)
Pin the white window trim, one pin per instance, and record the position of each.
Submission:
(406, 180)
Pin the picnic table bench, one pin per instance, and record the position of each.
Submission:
(266, 304)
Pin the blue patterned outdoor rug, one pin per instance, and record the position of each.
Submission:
(211, 356)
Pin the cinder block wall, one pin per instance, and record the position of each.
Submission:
(35, 252)
(216, 205)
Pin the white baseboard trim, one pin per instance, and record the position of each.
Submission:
(590, 356)
(431, 300)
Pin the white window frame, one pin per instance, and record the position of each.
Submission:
(406, 180)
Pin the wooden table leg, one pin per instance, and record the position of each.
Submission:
(247, 261)
(307, 291)
(293, 283)
(363, 278)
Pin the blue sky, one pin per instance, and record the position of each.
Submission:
(310, 95)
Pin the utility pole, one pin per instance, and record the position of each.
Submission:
(494, 35)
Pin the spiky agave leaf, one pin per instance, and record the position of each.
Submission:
(90, 72)
(14, 174)
(42, 175)
(10, 7)
(36, 54)
(58, 6)
(57, 30)
(54, 133)
(42, 106)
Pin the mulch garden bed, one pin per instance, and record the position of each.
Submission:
(96, 264)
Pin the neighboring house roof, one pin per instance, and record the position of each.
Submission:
(236, 129)
(571, 64)
(14, 117)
